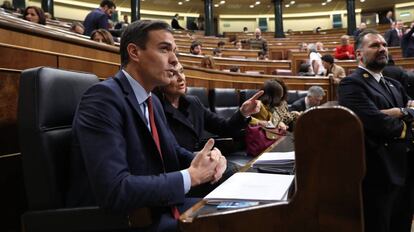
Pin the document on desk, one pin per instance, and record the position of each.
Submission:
(252, 186)
(275, 159)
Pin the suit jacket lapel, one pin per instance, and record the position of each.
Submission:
(129, 94)
(395, 93)
(374, 84)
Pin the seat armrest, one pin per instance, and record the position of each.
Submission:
(83, 219)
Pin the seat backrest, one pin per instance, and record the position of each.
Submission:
(201, 93)
(294, 95)
(246, 94)
(48, 99)
(224, 101)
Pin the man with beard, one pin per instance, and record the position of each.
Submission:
(258, 42)
(386, 114)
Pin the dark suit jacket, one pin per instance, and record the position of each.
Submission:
(386, 155)
(405, 78)
(298, 105)
(115, 162)
(392, 38)
(407, 44)
(191, 119)
(175, 24)
(385, 20)
(96, 19)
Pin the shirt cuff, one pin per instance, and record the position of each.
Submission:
(404, 131)
(186, 180)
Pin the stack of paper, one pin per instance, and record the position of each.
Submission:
(276, 159)
(252, 187)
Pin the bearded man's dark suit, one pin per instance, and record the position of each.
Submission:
(387, 160)
(115, 162)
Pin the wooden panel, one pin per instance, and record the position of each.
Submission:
(14, 58)
(9, 88)
(46, 44)
(102, 70)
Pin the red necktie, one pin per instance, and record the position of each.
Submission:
(174, 210)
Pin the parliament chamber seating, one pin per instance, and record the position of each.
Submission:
(47, 103)
(201, 93)
(224, 101)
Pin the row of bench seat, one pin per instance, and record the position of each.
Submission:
(225, 101)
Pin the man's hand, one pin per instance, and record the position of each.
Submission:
(393, 112)
(203, 167)
(220, 168)
(252, 105)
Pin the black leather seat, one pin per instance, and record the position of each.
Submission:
(201, 93)
(47, 103)
(224, 101)
(246, 94)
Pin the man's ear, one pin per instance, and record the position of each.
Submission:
(133, 52)
(358, 54)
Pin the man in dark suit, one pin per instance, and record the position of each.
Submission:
(313, 98)
(98, 18)
(124, 154)
(394, 36)
(407, 42)
(386, 114)
(387, 19)
(175, 24)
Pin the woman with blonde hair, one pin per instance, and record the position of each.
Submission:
(102, 36)
(208, 62)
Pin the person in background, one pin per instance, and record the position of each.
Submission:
(217, 52)
(319, 46)
(221, 44)
(345, 51)
(407, 42)
(388, 19)
(338, 73)
(386, 115)
(245, 30)
(196, 48)
(7, 5)
(124, 155)
(360, 29)
(313, 98)
(122, 24)
(48, 15)
(34, 14)
(315, 60)
(175, 24)
(273, 106)
(238, 45)
(77, 28)
(188, 118)
(102, 36)
(394, 36)
(98, 18)
(208, 62)
(303, 46)
(258, 42)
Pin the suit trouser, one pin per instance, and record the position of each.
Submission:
(388, 208)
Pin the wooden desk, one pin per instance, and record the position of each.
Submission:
(328, 180)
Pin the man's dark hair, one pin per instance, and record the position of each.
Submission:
(328, 58)
(195, 44)
(221, 43)
(108, 3)
(137, 33)
(360, 38)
